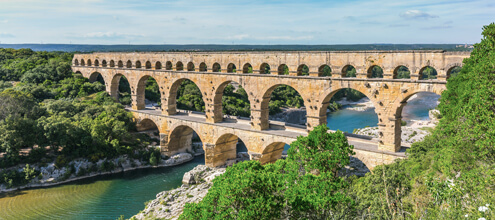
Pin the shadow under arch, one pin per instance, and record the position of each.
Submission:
(181, 139)
(141, 91)
(147, 124)
(225, 149)
(428, 72)
(272, 152)
(115, 88)
(96, 77)
(375, 71)
(171, 100)
(218, 100)
(401, 72)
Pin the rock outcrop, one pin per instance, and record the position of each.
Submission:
(169, 204)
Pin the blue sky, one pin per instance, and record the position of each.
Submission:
(243, 22)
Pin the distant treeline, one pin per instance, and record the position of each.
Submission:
(214, 47)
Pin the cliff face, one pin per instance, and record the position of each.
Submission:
(169, 204)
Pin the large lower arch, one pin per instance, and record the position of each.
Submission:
(114, 86)
(225, 149)
(146, 124)
(96, 77)
(272, 152)
(180, 140)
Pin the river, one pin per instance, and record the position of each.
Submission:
(110, 196)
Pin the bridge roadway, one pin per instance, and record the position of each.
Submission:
(366, 148)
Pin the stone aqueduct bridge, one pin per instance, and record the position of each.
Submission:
(213, 71)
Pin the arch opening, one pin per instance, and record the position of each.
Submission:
(148, 93)
(234, 100)
(402, 72)
(120, 64)
(89, 62)
(97, 63)
(129, 64)
(158, 65)
(179, 66)
(76, 62)
(186, 95)
(190, 66)
(419, 115)
(284, 104)
(375, 71)
(168, 65)
(216, 67)
(453, 71)
(123, 93)
(325, 71)
(147, 126)
(247, 68)
(427, 72)
(203, 67)
(82, 62)
(265, 68)
(303, 70)
(112, 63)
(148, 65)
(227, 151)
(231, 68)
(283, 69)
(348, 71)
(138, 64)
(273, 152)
(96, 77)
(183, 139)
(104, 63)
(351, 111)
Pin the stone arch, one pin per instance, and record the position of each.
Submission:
(179, 66)
(225, 149)
(114, 86)
(120, 64)
(231, 68)
(112, 63)
(190, 66)
(322, 111)
(283, 69)
(89, 62)
(400, 72)
(265, 68)
(272, 152)
(180, 140)
(347, 69)
(216, 67)
(375, 71)
(129, 64)
(96, 76)
(76, 62)
(140, 91)
(138, 64)
(82, 62)
(148, 65)
(158, 65)
(171, 100)
(104, 63)
(203, 67)
(217, 98)
(265, 100)
(247, 68)
(453, 67)
(325, 71)
(303, 70)
(97, 63)
(428, 70)
(168, 65)
(147, 124)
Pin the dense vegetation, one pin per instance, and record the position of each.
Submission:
(54, 114)
(449, 175)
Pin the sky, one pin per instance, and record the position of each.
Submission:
(244, 21)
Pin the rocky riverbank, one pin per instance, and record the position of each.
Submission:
(50, 175)
(169, 204)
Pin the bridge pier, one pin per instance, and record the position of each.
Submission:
(390, 134)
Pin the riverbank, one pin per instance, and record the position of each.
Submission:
(52, 176)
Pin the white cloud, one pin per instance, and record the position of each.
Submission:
(6, 35)
(111, 35)
(417, 14)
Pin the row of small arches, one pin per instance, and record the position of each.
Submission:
(375, 71)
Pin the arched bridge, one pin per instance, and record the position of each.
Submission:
(259, 74)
